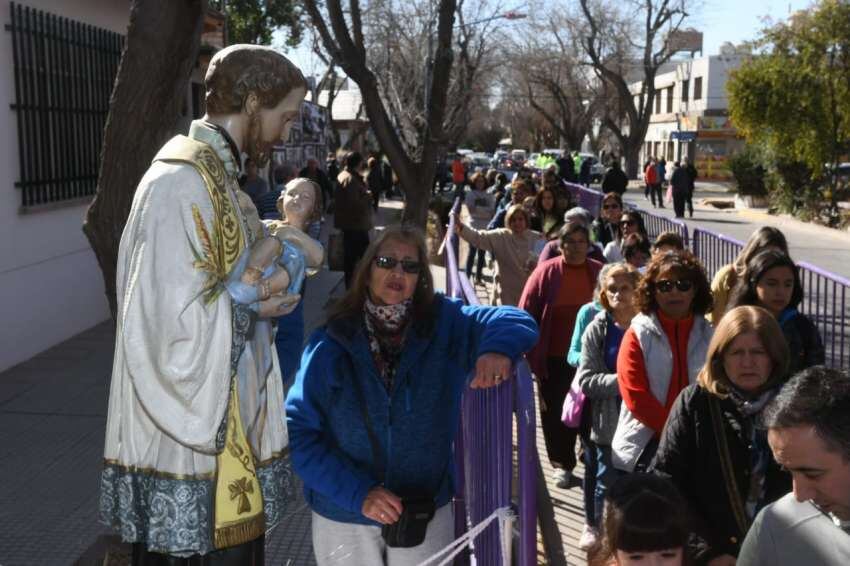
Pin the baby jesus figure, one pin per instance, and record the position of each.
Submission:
(279, 262)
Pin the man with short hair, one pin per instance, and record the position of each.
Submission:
(809, 433)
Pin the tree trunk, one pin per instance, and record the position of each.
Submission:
(631, 151)
(161, 50)
(419, 178)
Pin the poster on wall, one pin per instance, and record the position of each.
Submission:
(308, 137)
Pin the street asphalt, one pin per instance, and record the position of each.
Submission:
(826, 248)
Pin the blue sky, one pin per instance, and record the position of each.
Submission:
(739, 20)
(719, 20)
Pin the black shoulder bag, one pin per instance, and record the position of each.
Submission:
(416, 512)
(735, 499)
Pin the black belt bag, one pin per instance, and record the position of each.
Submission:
(410, 529)
(417, 511)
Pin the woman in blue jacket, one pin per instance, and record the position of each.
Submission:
(374, 409)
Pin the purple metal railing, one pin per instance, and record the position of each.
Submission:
(825, 303)
(714, 250)
(655, 224)
(485, 472)
(589, 199)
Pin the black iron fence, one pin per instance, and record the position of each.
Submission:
(64, 72)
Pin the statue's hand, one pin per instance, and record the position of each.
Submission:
(263, 254)
(242, 293)
(278, 305)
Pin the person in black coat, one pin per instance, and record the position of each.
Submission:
(692, 178)
(713, 447)
(680, 183)
(615, 181)
(584, 172)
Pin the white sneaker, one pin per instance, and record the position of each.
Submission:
(562, 478)
(588, 537)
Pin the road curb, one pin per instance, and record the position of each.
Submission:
(786, 220)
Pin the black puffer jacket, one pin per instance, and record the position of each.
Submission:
(804, 341)
(689, 456)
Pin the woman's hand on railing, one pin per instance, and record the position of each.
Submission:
(491, 369)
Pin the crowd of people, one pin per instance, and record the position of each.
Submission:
(697, 405)
(671, 370)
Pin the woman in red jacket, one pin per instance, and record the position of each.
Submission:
(552, 295)
(661, 353)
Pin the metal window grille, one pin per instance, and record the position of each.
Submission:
(64, 72)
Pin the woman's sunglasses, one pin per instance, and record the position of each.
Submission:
(407, 265)
(666, 285)
(627, 222)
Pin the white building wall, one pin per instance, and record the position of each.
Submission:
(718, 74)
(50, 284)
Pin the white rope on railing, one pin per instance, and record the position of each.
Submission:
(502, 514)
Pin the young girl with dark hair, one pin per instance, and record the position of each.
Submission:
(772, 281)
(646, 522)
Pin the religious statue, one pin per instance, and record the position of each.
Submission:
(196, 456)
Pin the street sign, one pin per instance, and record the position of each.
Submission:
(683, 136)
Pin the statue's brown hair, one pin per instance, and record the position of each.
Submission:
(239, 70)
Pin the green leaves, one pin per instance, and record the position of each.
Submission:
(254, 21)
(794, 97)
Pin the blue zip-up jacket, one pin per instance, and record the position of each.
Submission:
(415, 424)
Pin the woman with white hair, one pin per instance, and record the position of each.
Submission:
(582, 216)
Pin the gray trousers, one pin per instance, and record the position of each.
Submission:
(336, 543)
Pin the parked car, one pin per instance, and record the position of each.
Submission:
(479, 161)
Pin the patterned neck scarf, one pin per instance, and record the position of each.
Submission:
(760, 455)
(386, 327)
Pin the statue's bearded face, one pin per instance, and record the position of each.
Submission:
(268, 126)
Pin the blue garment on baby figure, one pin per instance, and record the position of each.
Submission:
(292, 259)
